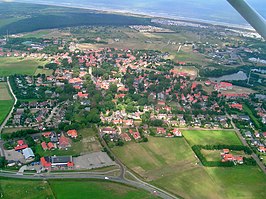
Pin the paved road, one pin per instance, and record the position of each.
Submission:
(10, 113)
(244, 142)
(89, 175)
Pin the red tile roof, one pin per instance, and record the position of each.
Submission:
(44, 146)
(50, 145)
(20, 147)
(72, 133)
(20, 142)
(45, 163)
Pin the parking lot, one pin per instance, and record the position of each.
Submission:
(93, 160)
(12, 155)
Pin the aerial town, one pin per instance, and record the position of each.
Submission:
(95, 104)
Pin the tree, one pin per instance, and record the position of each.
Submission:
(113, 88)
(3, 162)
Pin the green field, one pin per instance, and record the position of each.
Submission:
(4, 92)
(12, 65)
(68, 189)
(25, 189)
(6, 101)
(211, 137)
(5, 106)
(171, 164)
(143, 158)
(43, 71)
(88, 189)
(240, 182)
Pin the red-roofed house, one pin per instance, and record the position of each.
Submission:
(223, 86)
(21, 147)
(125, 137)
(72, 133)
(237, 106)
(45, 163)
(47, 134)
(83, 95)
(161, 130)
(70, 164)
(120, 95)
(44, 146)
(135, 134)
(194, 85)
(177, 132)
(50, 145)
(75, 81)
(262, 149)
(128, 122)
(20, 142)
(64, 142)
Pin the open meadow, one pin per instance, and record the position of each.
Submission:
(25, 189)
(68, 189)
(6, 101)
(211, 137)
(171, 164)
(13, 65)
(95, 189)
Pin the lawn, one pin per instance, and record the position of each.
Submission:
(12, 65)
(68, 189)
(93, 189)
(240, 182)
(5, 106)
(25, 189)
(211, 137)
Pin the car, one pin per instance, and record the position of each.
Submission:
(106, 178)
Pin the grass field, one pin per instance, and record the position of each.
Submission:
(5, 106)
(25, 189)
(6, 101)
(171, 165)
(4, 92)
(43, 71)
(145, 158)
(205, 137)
(82, 189)
(240, 182)
(211, 155)
(12, 65)
(68, 189)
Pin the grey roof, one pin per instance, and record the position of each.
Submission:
(28, 153)
(61, 159)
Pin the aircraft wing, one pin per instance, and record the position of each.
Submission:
(250, 15)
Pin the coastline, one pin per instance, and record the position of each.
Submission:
(145, 14)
